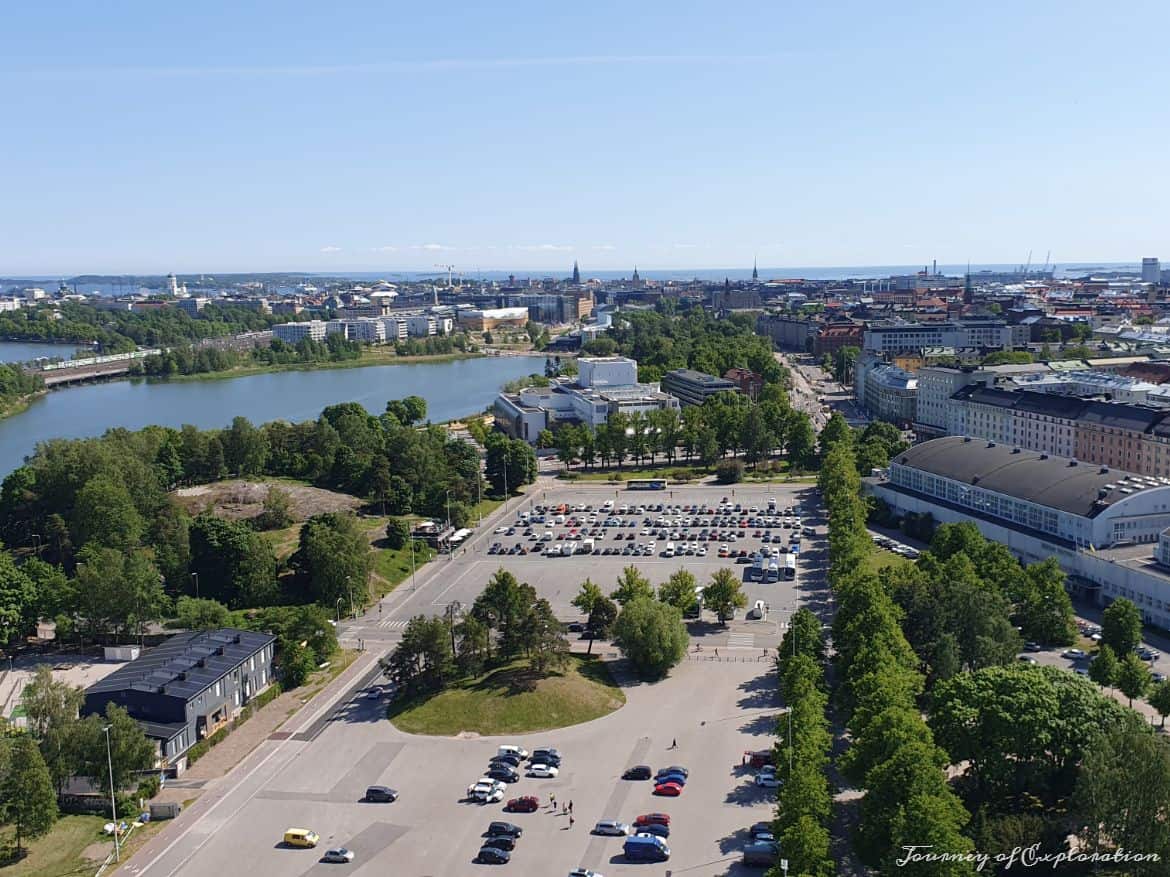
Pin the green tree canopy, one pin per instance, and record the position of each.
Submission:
(651, 635)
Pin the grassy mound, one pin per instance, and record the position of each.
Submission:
(512, 700)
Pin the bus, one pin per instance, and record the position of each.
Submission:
(646, 484)
(790, 567)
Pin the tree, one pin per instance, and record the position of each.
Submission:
(543, 638)
(18, 599)
(245, 448)
(585, 601)
(105, 513)
(651, 635)
(632, 585)
(397, 533)
(1159, 699)
(1133, 677)
(472, 650)
(129, 751)
(1123, 793)
(277, 510)
(836, 431)
(724, 594)
(802, 440)
(422, 661)
(198, 614)
(1121, 626)
(729, 472)
(1105, 669)
(118, 593)
(28, 802)
(1046, 612)
(233, 563)
(503, 606)
(602, 617)
(334, 559)
(679, 590)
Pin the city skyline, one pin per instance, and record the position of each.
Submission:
(157, 139)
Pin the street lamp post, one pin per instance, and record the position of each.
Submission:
(448, 508)
(113, 802)
(339, 599)
(349, 593)
(195, 578)
(412, 582)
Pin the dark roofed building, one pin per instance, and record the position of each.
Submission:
(694, 388)
(188, 687)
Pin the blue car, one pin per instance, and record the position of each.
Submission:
(671, 778)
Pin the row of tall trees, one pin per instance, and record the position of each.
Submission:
(804, 799)
(893, 755)
(727, 423)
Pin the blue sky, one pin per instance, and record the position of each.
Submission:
(391, 136)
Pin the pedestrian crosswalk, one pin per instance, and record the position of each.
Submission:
(391, 624)
(741, 641)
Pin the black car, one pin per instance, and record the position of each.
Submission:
(500, 772)
(490, 855)
(510, 829)
(761, 830)
(501, 842)
(546, 758)
(638, 772)
(507, 757)
(575, 627)
(381, 794)
(502, 763)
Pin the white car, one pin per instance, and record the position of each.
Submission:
(542, 771)
(500, 530)
(487, 790)
(612, 828)
(1073, 654)
(767, 781)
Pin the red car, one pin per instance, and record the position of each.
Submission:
(526, 804)
(652, 819)
(671, 790)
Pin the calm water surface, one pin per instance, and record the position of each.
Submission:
(452, 389)
(26, 351)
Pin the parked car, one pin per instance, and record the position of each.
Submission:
(671, 778)
(301, 837)
(669, 789)
(585, 872)
(761, 830)
(652, 819)
(1073, 654)
(490, 855)
(503, 773)
(611, 828)
(495, 829)
(543, 771)
(764, 853)
(767, 781)
(381, 794)
(523, 804)
(653, 828)
(679, 769)
(339, 856)
(637, 772)
(501, 842)
(1033, 647)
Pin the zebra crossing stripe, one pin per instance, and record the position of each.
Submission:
(391, 625)
(741, 641)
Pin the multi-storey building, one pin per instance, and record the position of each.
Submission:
(889, 338)
(694, 388)
(291, 333)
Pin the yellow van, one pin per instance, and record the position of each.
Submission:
(300, 837)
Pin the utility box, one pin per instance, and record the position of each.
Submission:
(165, 810)
(122, 653)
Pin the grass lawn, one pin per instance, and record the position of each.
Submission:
(58, 853)
(509, 700)
(879, 559)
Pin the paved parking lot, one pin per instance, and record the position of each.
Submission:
(558, 579)
(715, 709)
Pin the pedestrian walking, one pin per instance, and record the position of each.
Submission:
(553, 799)
(571, 820)
(674, 743)
(564, 809)
(570, 808)
(717, 653)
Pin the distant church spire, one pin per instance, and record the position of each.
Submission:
(755, 271)
(576, 272)
(636, 277)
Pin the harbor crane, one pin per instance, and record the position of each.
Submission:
(448, 269)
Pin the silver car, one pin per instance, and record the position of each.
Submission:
(339, 856)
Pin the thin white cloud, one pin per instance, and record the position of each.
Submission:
(432, 247)
(544, 248)
(331, 249)
(385, 249)
(604, 247)
(433, 65)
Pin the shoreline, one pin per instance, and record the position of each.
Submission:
(362, 362)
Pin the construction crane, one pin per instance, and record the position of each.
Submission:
(1028, 266)
(448, 269)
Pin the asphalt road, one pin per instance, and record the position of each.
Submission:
(314, 775)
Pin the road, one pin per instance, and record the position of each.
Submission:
(313, 773)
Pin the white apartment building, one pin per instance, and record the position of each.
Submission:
(291, 333)
(421, 325)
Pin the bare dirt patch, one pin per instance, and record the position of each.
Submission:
(239, 499)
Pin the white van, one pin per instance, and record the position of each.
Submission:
(519, 751)
(669, 552)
